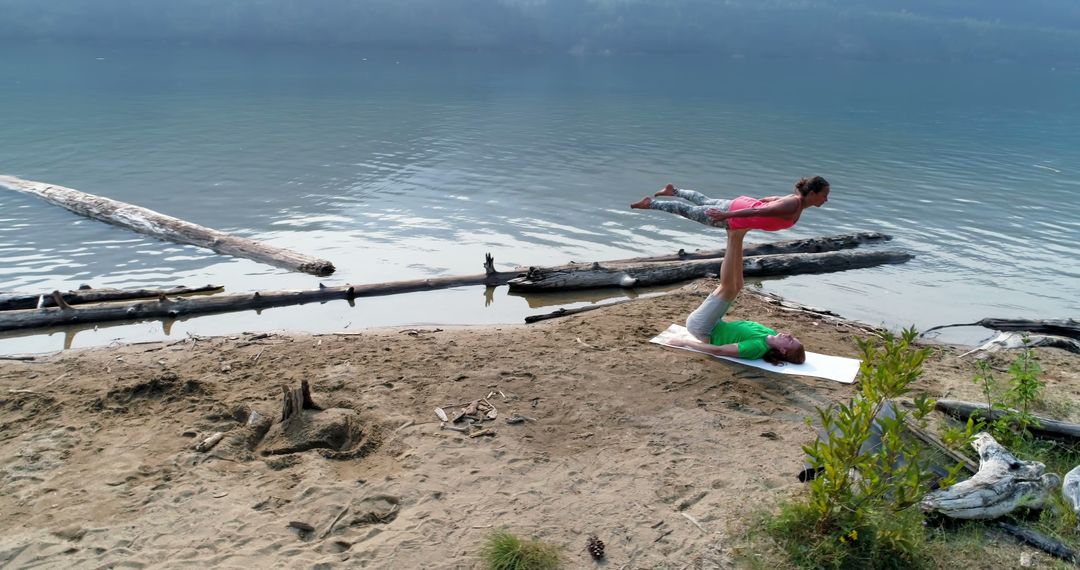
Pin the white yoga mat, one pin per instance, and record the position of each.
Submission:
(835, 368)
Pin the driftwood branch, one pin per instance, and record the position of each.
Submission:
(1002, 484)
(564, 312)
(933, 441)
(1069, 328)
(17, 301)
(660, 273)
(1040, 541)
(161, 226)
(1046, 428)
(1015, 340)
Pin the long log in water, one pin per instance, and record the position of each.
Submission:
(16, 301)
(664, 272)
(165, 227)
(806, 245)
(659, 273)
(168, 307)
(1069, 328)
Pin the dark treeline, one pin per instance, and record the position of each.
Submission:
(937, 30)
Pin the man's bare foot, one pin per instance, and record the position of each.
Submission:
(668, 190)
(642, 204)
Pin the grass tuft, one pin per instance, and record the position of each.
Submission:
(505, 551)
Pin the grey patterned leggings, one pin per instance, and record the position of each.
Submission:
(699, 204)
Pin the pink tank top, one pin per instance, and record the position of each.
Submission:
(766, 224)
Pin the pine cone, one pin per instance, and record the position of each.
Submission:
(595, 547)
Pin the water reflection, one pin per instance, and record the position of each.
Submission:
(415, 170)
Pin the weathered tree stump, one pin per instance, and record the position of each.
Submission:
(296, 399)
(1002, 485)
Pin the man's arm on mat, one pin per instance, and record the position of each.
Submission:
(713, 349)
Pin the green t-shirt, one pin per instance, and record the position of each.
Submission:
(750, 337)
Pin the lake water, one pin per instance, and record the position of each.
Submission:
(408, 165)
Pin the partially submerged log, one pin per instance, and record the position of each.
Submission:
(807, 245)
(17, 301)
(648, 274)
(168, 307)
(1069, 328)
(1002, 485)
(660, 273)
(161, 226)
(1046, 428)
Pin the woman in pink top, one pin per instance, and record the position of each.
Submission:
(743, 213)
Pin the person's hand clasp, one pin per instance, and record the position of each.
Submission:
(716, 214)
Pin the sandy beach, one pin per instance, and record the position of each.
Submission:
(662, 454)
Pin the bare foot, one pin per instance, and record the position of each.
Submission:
(668, 190)
(642, 204)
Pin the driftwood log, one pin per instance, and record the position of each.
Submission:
(168, 307)
(1070, 489)
(1047, 427)
(1040, 541)
(1014, 340)
(1069, 328)
(161, 226)
(564, 312)
(1002, 485)
(660, 273)
(806, 245)
(17, 301)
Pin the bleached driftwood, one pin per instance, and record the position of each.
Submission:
(1070, 488)
(1002, 485)
(209, 443)
(1058, 327)
(161, 226)
(1015, 340)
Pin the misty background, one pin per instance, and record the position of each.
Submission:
(1044, 31)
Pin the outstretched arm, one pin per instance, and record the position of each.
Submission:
(715, 350)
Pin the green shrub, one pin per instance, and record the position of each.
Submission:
(504, 551)
(861, 509)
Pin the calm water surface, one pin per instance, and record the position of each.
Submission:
(405, 165)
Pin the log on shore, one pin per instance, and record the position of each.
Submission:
(168, 307)
(165, 227)
(1015, 340)
(16, 301)
(660, 273)
(808, 245)
(1069, 328)
(1047, 428)
(1002, 485)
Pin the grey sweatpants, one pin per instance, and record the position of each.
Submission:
(699, 204)
(703, 320)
